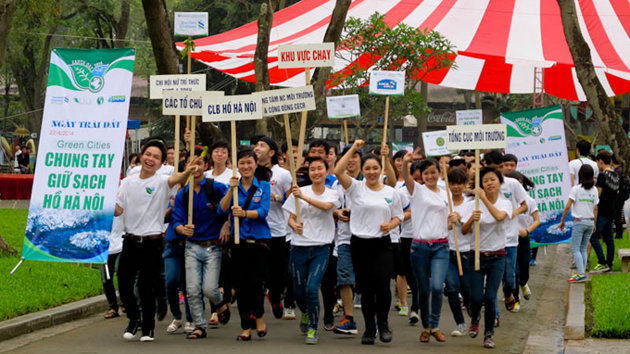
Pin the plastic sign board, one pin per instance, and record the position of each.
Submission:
(466, 137)
(227, 108)
(189, 83)
(435, 143)
(388, 83)
(306, 55)
(341, 107)
(191, 24)
(469, 117)
(288, 100)
(185, 103)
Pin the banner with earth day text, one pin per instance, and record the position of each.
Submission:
(537, 139)
(80, 155)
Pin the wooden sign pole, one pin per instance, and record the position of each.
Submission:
(345, 129)
(307, 73)
(477, 263)
(191, 183)
(191, 145)
(385, 135)
(287, 128)
(176, 158)
(450, 207)
(237, 238)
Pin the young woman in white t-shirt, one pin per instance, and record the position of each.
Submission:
(583, 200)
(492, 215)
(376, 210)
(429, 250)
(310, 242)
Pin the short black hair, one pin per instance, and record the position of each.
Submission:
(370, 156)
(583, 147)
(604, 156)
(510, 157)
(415, 166)
(157, 142)
(285, 147)
(457, 162)
(487, 169)
(428, 162)
(457, 176)
(318, 143)
(220, 144)
(399, 154)
(493, 157)
(312, 159)
(170, 147)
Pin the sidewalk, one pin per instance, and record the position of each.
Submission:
(14, 204)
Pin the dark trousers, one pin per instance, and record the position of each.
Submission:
(373, 264)
(250, 266)
(329, 295)
(175, 272)
(522, 265)
(456, 284)
(278, 269)
(289, 296)
(619, 221)
(604, 228)
(108, 284)
(143, 259)
(484, 285)
(405, 255)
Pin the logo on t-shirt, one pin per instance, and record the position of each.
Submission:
(388, 200)
(507, 195)
(149, 190)
(257, 195)
(273, 182)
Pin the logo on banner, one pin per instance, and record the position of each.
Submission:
(59, 100)
(440, 141)
(87, 76)
(386, 84)
(529, 126)
(116, 99)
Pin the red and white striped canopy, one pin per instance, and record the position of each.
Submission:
(498, 42)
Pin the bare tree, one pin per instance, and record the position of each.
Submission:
(7, 10)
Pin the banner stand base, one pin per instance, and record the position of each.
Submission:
(17, 265)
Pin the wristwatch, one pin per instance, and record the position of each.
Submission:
(277, 198)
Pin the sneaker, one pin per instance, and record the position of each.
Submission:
(385, 333)
(147, 336)
(289, 313)
(357, 301)
(304, 323)
(577, 278)
(311, 337)
(189, 327)
(131, 330)
(413, 318)
(338, 307)
(397, 305)
(403, 311)
(517, 307)
(368, 338)
(473, 330)
(346, 326)
(329, 326)
(532, 262)
(459, 331)
(600, 268)
(488, 342)
(527, 293)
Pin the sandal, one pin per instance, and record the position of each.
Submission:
(213, 321)
(510, 302)
(172, 328)
(224, 316)
(425, 335)
(197, 333)
(111, 314)
(438, 335)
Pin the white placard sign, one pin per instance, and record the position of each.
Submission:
(469, 117)
(191, 24)
(227, 108)
(487, 136)
(188, 83)
(306, 55)
(388, 83)
(185, 103)
(288, 100)
(435, 143)
(341, 107)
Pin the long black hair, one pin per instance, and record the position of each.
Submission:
(586, 176)
(527, 183)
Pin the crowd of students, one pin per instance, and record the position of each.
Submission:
(365, 219)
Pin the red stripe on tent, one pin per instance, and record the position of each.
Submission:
(554, 43)
(617, 84)
(493, 32)
(495, 76)
(559, 82)
(622, 9)
(437, 15)
(599, 37)
(208, 56)
(399, 12)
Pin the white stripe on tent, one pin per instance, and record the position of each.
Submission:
(464, 14)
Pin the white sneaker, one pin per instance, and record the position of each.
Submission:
(527, 293)
(289, 313)
(459, 331)
(413, 318)
(189, 327)
(172, 328)
(357, 301)
(149, 337)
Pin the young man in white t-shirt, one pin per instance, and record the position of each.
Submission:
(582, 149)
(142, 202)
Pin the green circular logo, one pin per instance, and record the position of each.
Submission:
(96, 84)
(100, 100)
(440, 141)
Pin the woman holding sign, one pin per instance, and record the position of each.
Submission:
(250, 255)
(492, 216)
(376, 210)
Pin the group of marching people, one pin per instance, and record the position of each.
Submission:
(345, 227)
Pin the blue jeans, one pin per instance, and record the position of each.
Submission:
(490, 272)
(175, 279)
(430, 265)
(605, 229)
(455, 284)
(203, 266)
(580, 235)
(308, 265)
(509, 275)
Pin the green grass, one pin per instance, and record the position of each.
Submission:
(38, 285)
(619, 243)
(611, 313)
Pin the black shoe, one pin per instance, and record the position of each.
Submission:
(368, 338)
(224, 317)
(385, 333)
(277, 310)
(147, 336)
(162, 308)
(131, 330)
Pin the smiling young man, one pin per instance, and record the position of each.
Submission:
(142, 201)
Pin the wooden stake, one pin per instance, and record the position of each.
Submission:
(287, 128)
(385, 135)
(450, 207)
(345, 128)
(477, 263)
(191, 145)
(191, 183)
(237, 238)
(176, 158)
(307, 73)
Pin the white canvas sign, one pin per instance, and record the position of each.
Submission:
(466, 137)
(185, 103)
(341, 107)
(191, 24)
(469, 117)
(227, 108)
(187, 83)
(306, 55)
(288, 100)
(388, 83)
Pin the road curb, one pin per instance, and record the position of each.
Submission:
(51, 317)
(574, 325)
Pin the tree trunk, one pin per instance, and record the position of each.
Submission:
(603, 109)
(161, 34)
(261, 64)
(6, 249)
(122, 25)
(422, 120)
(7, 10)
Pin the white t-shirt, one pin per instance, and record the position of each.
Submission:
(464, 209)
(223, 177)
(406, 228)
(492, 233)
(343, 228)
(319, 225)
(395, 233)
(166, 170)
(575, 165)
(513, 191)
(372, 208)
(144, 202)
(429, 213)
(584, 201)
(525, 218)
(280, 183)
(115, 236)
(441, 184)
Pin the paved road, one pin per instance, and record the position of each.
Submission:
(96, 335)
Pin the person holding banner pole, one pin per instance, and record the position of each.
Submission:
(250, 257)
(377, 209)
(491, 217)
(429, 250)
(142, 201)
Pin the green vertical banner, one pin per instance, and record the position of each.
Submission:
(80, 155)
(536, 137)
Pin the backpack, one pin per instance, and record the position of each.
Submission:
(624, 188)
(208, 187)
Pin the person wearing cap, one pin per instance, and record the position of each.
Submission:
(142, 201)
(278, 281)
